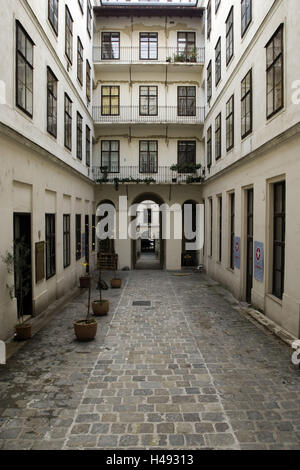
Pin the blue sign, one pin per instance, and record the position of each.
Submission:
(259, 261)
(237, 252)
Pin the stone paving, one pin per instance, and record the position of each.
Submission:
(186, 371)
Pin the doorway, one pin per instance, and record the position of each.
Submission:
(249, 263)
(22, 234)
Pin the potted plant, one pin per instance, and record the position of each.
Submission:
(16, 263)
(116, 282)
(85, 330)
(100, 307)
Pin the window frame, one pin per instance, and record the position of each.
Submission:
(148, 151)
(228, 117)
(87, 146)
(244, 29)
(280, 215)
(187, 52)
(209, 19)
(185, 98)
(52, 97)
(27, 63)
(88, 80)
(148, 43)
(68, 119)
(220, 206)
(218, 62)
(66, 240)
(51, 18)
(69, 35)
(186, 143)
(78, 237)
(209, 81)
(230, 35)
(103, 51)
(109, 169)
(79, 136)
(218, 137)
(244, 97)
(79, 61)
(209, 147)
(110, 95)
(148, 100)
(273, 66)
(50, 250)
(232, 229)
(89, 18)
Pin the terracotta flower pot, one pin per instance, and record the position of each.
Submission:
(85, 331)
(116, 283)
(100, 307)
(23, 331)
(85, 282)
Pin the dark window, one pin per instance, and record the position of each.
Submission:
(220, 227)
(110, 155)
(209, 82)
(51, 103)
(232, 229)
(88, 81)
(69, 36)
(230, 124)
(211, 226)
(217, 5)
(148, 100)
(68, 122)
(186, 101)
(93, 233)
(79, 136)
(209, 148)
(24, 70)
(218, 64)
(79, 61)
(50, 245)
(110, 100)
(148, 156)
(67, 241)
(81, 5)
(89, 18)
(53, 14)
(229, 36)
(186, 46)
(246, 15)
(274, 50)
(208, 19)
(110, 46)
(246, 105)
(87, 146)
(186, 152)
(279, 239)
(218, 137)
(148, 46)
(78, 236)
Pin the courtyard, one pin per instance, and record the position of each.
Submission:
(181, 369)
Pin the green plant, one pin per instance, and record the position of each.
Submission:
(16, 263)
(186, 168)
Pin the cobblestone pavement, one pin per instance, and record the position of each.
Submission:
(186, 371)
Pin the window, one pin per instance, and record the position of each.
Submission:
(211, 226)
(220, 227)
(148, 46)
(218, 137)
(229, 37)
(53, 14)
(279, 239)
(110, 46)
(79, 61)
(186, 105)
(89, 18)
(69, 36)
(209, 148)
(246, 105)
(230, 124)
(208, 19)
(78, 236)
(186, 152)
(217, 5)
(110, 155)
(186, 46)
(67, 241)
(218, 64)
(93, 233)
(148, 101)
(274, 50)
(87, 146)
(110, 100)
(50, 245)
(232, 228)
(79, 136)
(81, 5)
(68, 122)
(24, 70)
(246, 16)
(51, 103)
(148, 156)
(88, 81)
(209, 82)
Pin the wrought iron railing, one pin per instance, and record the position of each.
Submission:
(161, 115)
(113, 53)
(135, 174)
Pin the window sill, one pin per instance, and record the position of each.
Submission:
(274, 299)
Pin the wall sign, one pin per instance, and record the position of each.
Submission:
(259, 261)
(237, 252)
(39, 261)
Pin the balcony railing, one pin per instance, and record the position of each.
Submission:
(135, 174)
(105, 54)
(164, 115)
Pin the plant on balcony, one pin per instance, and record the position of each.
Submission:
(86, 330)
(179, 58)
(186, 168)
(17, 264)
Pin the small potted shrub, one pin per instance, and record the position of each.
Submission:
(86, 330)
(100, 307)
(17, 264)
(116, 282)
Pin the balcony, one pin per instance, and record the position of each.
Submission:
(160, 55)
(164, 115)
(135, 175)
